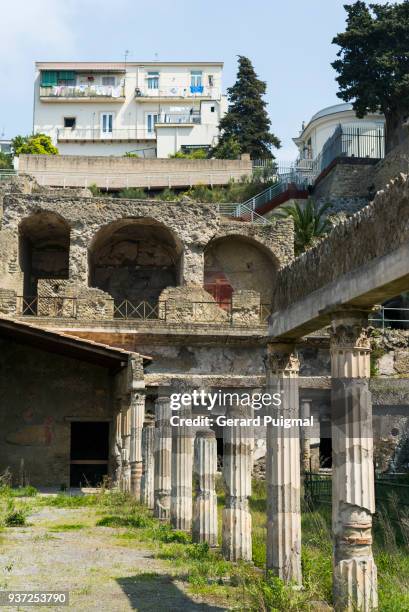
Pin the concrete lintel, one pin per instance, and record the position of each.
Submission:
(371, 284)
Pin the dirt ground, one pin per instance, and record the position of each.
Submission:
(62, 549)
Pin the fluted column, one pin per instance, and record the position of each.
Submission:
(283, 468)
(353, 498)
(148, 465)
(163, 450)
(237, 461)
(305, 413)
(182, 467)
(205, 506)
(126, 446)
(137, 415)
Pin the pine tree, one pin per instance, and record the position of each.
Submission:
(246, 121)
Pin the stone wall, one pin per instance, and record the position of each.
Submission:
(372, 232)
(346, 185)
(396, 162)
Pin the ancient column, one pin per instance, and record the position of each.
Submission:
(126, 446)
(148, 465)
(204, 527)
(237, 461)
(137, 415)
(353, 498)
(305, 413)
(182, 467)
(163, 450)
(283, 468)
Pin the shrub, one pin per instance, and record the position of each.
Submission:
(14, 517)
(133, 193)
(138, 521)
(36, 144)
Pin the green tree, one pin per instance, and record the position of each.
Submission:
(246, 121)
(6, 161)
(228, 148)
(373, 64)
(310, 223)
(36, 144)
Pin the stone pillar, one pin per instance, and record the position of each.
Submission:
(237, 460)
(205, 506)
(126, 446)
(135, 458)
(283, 469)
(78, 264)
(116, 453)
(192, 265)
(305, 413)
(353, 497)
(163, 451)
(181, 489)
(148, 465)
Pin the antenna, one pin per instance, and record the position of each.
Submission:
(156, 57)
(126, 53)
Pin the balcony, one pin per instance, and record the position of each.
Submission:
(178, 119)
(86, 93)
(97, 135)
(176, 92)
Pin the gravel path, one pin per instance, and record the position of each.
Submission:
(100, 572)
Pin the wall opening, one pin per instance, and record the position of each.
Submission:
(44, 252)
(235, 263)
(89, 453)
(134, 260)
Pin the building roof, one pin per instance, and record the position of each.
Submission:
(331, 110)
(114, 66)
(64, 344)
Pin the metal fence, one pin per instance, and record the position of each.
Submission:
(390, 489)
(169, 311)
(390, 317)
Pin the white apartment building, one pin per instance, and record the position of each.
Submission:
(153, 109)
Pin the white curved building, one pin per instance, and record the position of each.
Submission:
(324, 124)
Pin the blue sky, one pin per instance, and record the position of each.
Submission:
(288, 42)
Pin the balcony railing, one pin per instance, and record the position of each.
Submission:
(179, 118)
(166, 311)
(175, 91)
(83, 91)
(96, 134)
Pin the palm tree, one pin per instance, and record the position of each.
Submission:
(310, 223)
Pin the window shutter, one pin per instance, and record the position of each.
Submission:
(48, 78)
(67, 75)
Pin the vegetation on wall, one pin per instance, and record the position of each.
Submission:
(195, 154)
(310, 223)
(6, 161)
(373, 63)
(246, 122)
(36, 144)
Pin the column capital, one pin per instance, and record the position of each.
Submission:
(282, 359)
(348, 330)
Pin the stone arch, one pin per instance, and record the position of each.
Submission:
(234, 263)
(135, 259)
(44, 248)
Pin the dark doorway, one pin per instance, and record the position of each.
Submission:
(89, 453)
(326, 452)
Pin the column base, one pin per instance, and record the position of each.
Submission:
(236, 534)
(356, 585)
(205, 521)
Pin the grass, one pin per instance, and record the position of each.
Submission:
(242, 585)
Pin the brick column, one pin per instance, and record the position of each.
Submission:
(237, 460)
(163, 451)
(181, 487)
(137, 413)
(205, 506)
(283, 469)
(353, 497)
(148, 465)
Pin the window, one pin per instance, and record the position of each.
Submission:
(210, 80)
(109, 81)
(153, 80)
(66, 77)
(196, 78)
(152, 119)
(50, 78)
(69, 122)
(212, 109)
(107, 120)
